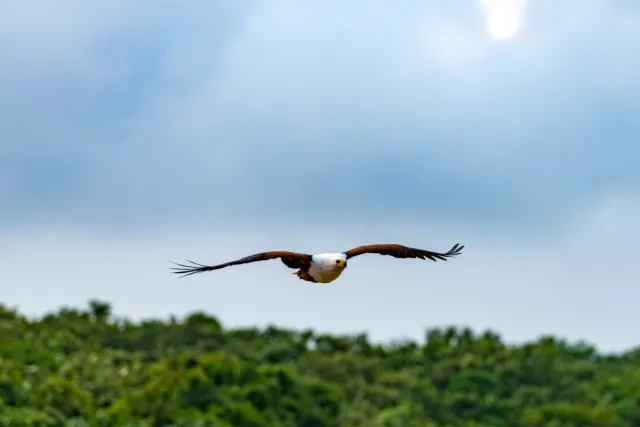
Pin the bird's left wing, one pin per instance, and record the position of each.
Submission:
(290, 259)
(399, 251)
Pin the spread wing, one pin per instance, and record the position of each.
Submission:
(290, 259)
(400, 251)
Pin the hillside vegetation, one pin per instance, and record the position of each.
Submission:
(87, 368)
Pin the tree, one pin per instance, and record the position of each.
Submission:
(85, 368)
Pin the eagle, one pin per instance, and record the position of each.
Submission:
(324, 267)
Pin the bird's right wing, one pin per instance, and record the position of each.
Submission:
(290, 259)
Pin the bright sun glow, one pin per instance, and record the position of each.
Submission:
(503, 18)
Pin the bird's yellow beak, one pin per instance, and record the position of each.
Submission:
(341, 263)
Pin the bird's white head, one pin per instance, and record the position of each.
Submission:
(331, 260)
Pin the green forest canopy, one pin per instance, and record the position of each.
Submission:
(89, 368)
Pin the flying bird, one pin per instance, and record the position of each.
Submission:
(325, 267)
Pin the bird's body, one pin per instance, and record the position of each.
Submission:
(324, 267)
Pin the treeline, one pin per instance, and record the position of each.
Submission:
(87, 368)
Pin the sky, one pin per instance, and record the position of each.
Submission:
(137, 133)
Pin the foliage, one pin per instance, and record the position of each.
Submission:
(87, 368)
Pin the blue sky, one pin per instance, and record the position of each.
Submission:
(133, 134)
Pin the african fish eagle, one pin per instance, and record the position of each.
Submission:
(325, 267)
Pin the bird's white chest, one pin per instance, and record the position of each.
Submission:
(324, 270)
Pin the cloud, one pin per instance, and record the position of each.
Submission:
(308, 110)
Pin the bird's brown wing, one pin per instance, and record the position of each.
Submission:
(400, 251)
(290, 259)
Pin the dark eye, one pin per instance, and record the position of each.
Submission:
(337, 261)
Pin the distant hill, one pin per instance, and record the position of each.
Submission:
(87, 368)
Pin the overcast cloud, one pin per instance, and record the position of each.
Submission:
(136, 133)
